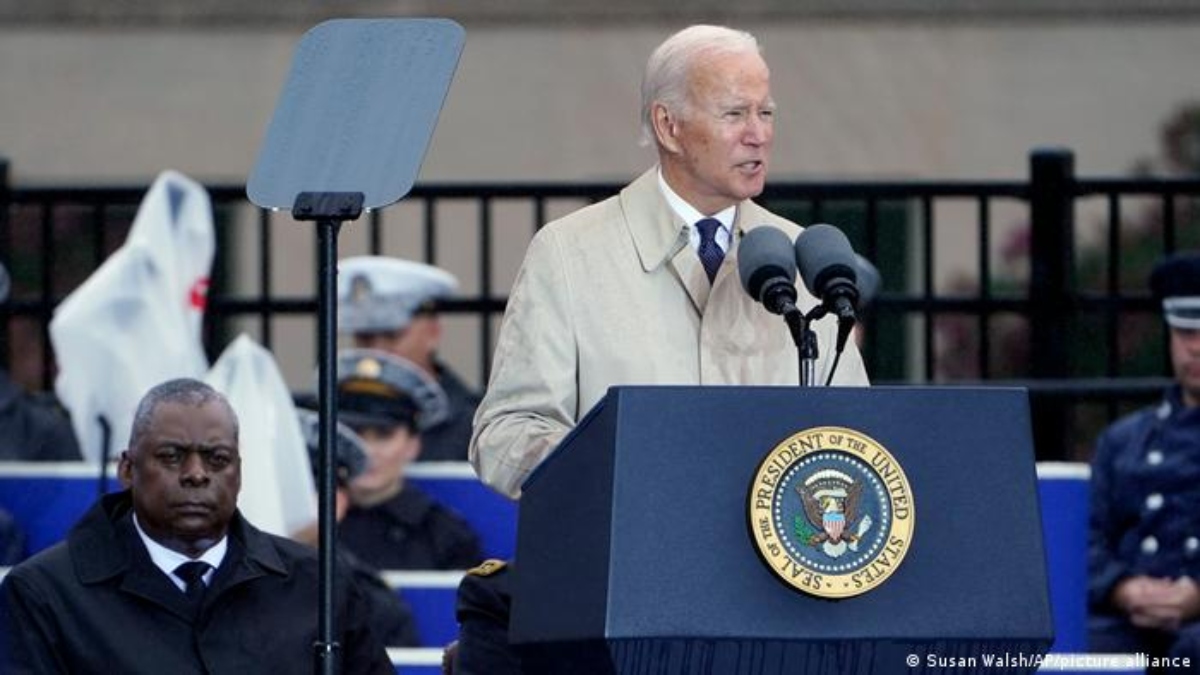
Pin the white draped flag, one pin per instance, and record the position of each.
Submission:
(277, 485)
(136, 321)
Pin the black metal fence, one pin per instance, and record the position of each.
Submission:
(1037, 283)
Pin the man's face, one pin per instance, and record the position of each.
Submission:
(185, 474)
(714, 153)
(417, 342)
(1185, 357)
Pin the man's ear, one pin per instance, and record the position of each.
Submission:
(666, 126)
(125, 469)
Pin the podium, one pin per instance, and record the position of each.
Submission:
(636, 551)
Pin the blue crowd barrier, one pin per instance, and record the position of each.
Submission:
(431, 597)
(1063, 493)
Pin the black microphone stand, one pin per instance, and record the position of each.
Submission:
(800, 325)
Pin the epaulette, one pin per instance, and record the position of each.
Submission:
(487, 568)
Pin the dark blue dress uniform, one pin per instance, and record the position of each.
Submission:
(1145, 487)
(410, 531)
(483, 608)
(1145, 515)
(33, 429)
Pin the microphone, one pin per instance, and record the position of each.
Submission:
(827, 264)
(767, 268)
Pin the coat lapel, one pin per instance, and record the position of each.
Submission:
(144, 579)
(663, 240)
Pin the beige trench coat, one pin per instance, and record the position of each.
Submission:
(613, 294)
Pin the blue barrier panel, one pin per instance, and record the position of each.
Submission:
(1063, 493)
(47, 498)
(493, 515)
(431, 596)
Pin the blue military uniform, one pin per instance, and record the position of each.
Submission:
(32, 428)
(483, 609)
(1145, 494)
(1146, 498)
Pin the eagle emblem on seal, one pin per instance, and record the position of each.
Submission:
(831, 500)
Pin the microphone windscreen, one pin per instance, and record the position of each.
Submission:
(823, 253)
(869, 281)
(765, 253)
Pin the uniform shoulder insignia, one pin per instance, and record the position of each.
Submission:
(487, 568)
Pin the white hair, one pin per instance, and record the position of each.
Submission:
(669, 66)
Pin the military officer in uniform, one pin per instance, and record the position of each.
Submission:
(32, 428)
(390, 523)
(1144, 531)
(391, 305)
(482, 610)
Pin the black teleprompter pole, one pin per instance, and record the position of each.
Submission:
(329, 210)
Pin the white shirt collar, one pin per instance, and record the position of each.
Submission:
(167, 560)
(690, 215)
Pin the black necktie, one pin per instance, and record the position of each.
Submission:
(710, 253)
(192, 574)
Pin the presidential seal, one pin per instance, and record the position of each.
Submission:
(831, 512)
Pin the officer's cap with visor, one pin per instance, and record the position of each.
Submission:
(1175, 282)
(379, 390)
(377, 294)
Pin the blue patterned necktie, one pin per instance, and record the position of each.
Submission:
(710, 253)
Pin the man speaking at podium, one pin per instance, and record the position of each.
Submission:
(643, 287)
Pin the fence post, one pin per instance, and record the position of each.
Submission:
(6, 247)
(1051, 265)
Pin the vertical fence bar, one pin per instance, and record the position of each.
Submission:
(48, 253)
(6, 239)
(1170, 240)
(1113, 295)
(1170, 243)
(539, 213)
(1052, 210)
(375, 231)
(1113, 287)
(927, 267)
(430, 217)
(485, 286)
(264, 275)
(985, 289)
